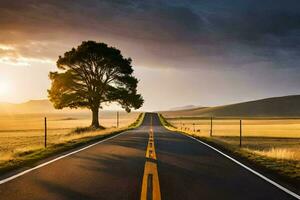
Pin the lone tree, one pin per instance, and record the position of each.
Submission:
(93, 74)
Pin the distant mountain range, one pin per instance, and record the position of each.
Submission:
(286, 106)
(32, 106)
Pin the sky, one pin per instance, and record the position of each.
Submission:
(204, 52)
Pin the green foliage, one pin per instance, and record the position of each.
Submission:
(93, 74)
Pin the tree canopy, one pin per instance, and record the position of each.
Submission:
(93, 74)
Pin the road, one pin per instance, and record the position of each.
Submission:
(182, 169)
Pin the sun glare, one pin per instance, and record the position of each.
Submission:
(4, 88)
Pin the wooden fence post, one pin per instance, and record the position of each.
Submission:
(117, 119)
(45, 144)
(211, 126)
(240, 133)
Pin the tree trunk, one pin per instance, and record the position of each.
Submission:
(95, 120)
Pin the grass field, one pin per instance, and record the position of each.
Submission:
(284, 128)
(275, 138)
(23, 133)
(273, 144)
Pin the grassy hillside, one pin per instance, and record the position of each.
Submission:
(187, 107)
(36, 106)
(286, 106)
(32, 106)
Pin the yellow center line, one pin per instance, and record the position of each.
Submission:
(150, 184)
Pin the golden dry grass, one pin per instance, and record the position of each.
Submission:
(274, 138)
(32, 122)
(285, 128)
(279, 153)
(23, 133)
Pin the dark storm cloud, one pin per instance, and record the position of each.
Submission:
(171, 33)
(265, 23)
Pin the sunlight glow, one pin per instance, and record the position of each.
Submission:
(4, 87)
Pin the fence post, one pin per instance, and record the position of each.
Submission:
(240, 133)
(194, 127)
(211, 126)
(45, 132)
(117, 119)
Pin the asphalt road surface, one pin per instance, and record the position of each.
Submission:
(114, 169)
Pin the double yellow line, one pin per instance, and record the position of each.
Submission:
(150, 184)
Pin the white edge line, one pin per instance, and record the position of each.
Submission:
(249, 169)
(55, 159)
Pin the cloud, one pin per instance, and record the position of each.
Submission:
(160, 32)
(11, 55)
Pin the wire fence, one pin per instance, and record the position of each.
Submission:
(254, 127)
(23, 133)
(276, 137)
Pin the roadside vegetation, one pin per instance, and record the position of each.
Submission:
(271, 144)
(22, 148)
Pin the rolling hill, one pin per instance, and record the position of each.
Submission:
(183, 107)
(32, 106)
(286, 106)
